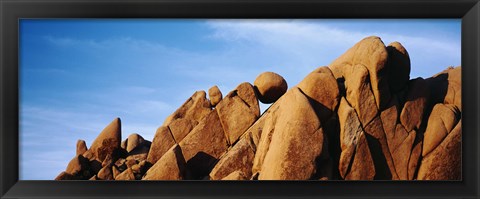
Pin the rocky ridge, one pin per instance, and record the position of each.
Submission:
(359, 118)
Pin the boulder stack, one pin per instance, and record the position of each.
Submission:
(359, 118)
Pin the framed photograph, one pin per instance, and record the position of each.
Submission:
(271, 99)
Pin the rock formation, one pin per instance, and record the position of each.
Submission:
(359, 118)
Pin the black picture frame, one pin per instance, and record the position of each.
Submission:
(13, 10)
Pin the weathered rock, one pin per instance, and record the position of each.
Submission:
(133, 141)
(121, 164)
(126, 175)
(414, 160)
(379, 148)
(322, 87)
(445, 161)
(162, 141)
(350, 130)
(239, 157)
(195, 108)
(362, 167)
(265, 127)
(105, 174)
(81, 147)
(446, 87)
(171, 166)
(108, 141)
(204, 145)
(358, 93)
(401, 156)
(108, 161)
(270, 87)
(416, 102)
(140, 152)
(181, 127)
(398, 66)
(215, 95)
(441, 121)
(235, 117)
(246, 92)
(297, 141)
(115, 172)
(371, 53)
(236, 175)
(76, 165)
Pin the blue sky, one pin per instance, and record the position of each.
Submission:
(78, 75)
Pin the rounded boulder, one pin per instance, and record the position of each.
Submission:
(270, 86)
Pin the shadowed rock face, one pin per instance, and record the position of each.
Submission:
(359, 118)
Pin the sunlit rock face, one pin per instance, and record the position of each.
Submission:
(359, 118)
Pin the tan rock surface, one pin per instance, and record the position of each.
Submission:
(133, 141)
(358, 93)
(270, 87)
(238, 158)
(236, 175)
(322, 87)
(81, 147)
(195, 108)
(235, 117)
(171, 166)
(215, 95)
(296, 141)
(441, 121)
(181, 127)
(204, 145)
(107, 141)
(371, 53)
(445, 161)
(162, 141)
(416, 102)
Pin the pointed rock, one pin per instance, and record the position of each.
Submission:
(215, 95)
(171, 166)
(270, 87)
(195, 108)
(81, 147)
(108, 141)
(162, 141)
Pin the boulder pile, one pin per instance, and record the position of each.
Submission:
(359, 118)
